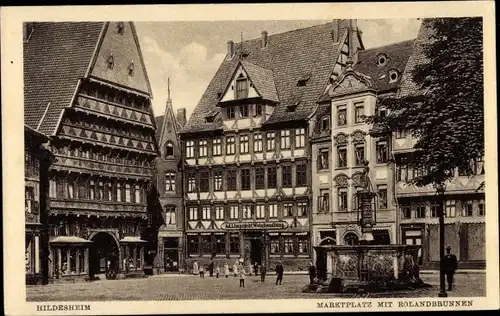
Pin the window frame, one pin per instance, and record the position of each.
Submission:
(359, 119)
(170, 178)
(342, 109)
(260, 178)
(286, 176)
(300, 138)
(285, 139)
(246, 179)
(258, 143)
(244, 144)
(230, 145)
(301, 175)
(270, 141)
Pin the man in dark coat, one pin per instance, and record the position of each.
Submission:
(312, 272)
(262, 272)
(279, 273)
(449, 267)
(211, 268)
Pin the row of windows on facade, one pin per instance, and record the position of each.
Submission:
(342, 199)
(407, 174)
(342, 117)
(465, 208)
(244, 110)
(210, 243)
(323, 160)
(98, 124)
(246, 211)
(118, 97)
(201, 147)
(31, 163)
(98, 155)
(227, 180)
(97, 190)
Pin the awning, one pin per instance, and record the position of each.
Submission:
(130, 239)
(69, 240)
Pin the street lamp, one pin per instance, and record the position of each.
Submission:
(440, 188)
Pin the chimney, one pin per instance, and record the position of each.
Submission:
(230, 49)
(264, 38)
(181, 116)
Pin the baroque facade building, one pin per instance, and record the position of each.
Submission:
(169, 183)
(247, 171)
(86, 87)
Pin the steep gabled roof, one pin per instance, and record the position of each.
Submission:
(56, 56)
(397, 58)
(263, 81)
(289, 56)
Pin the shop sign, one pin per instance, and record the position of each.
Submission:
(255, 225)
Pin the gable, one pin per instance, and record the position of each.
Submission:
(230, 93)
(351, 82)
(123, 51)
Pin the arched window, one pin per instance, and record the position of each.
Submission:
(325, 123)
(351, 239)
(169, 150)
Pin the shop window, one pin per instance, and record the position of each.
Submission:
(234, 244)
(72, 260)
(257, 143)
(271, 178)
(285, 139)
(300, 137)
(231, 180)
(216, 147)
(170, 181)
(288, 245)
(274, 245)
(270, 141)
(323, 157)
(259, 178)
(244, 144)
(193, 244)
(273, 210)
(351, 239)
(342, 199)
(218, 184)
(303, 244)
(170, 215)
(245, 179)
(220, 244)
(450, 208)
(206, 243)
(286, 177)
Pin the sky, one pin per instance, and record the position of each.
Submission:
(189, 53)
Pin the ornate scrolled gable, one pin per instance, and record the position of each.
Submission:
(340, 139)
(351, 81)
(358, 136)
(341, 180)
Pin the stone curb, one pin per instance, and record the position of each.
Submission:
(478, 271)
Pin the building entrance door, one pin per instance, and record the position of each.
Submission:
(256, 251)
(171, 255)
(103, 256)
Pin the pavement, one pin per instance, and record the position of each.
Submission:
(191, 287)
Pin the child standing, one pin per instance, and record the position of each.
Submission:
(241, 271)
(202, 271)
(217, 271)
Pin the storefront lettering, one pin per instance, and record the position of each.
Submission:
(255, 225)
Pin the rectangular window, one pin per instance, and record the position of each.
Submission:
(193, 213)
(300, 137)
(342, 199)
(302, 209)
(382, 152)
(301, 173)
(231, 180)
(275, 245)
(271, 178)
(257, 143)
(230, 112)
(359, 152)
(244, 147)
(191, 182)
(206, 244)
(434, 209)
(450, 208)
(359, 112)
(234, 244)
(288, 245)
(118, 192)
(245, 179)
(220, 244)
(233, 212)
(260, 211)
(273, 210)
(285, 139)
(203, 149)
(218, 185)
(324, 201)
(406, 211)
(219, 212)
(342, 157)
(241, 88)
(467, 208)
(71, 190)
(170, 216)
(193, 244)
(286, 176)
(258, 110)
(216, 147)
(323, 157)
(204, 181)
(137, 194)
(400, 134)
(52, 189)
(270, 141)
(169, 181)
(247, 211)
(127, 193)
(288, 209)
(303, 244)
(382, 111)
(230, 145)
(481, 208)
(244, 111)
(190, 149)
(382, 196)
(109, 192)
(29, 199)
(259, 178)
(205, 213)
(91, 190)
(420, 211)
(341, 115)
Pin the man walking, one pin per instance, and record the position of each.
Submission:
(279, 273)
(449, 267)
(312, 272)
(262, 272)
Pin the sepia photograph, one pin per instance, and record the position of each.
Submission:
(336, 160)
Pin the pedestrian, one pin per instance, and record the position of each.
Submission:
(235, 268)
(211, 268)
(279, 273)
(195, 268)
(256, 268)
(202, 271)
(226, 270)
(241, 271)
(250, 268)
(217, 271)
(312, 272)
(449, 267)
(262, 273)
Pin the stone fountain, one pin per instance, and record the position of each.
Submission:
(367, 267)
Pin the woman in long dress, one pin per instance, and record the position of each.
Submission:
(195, 268)
(235, 268)
(226, 270)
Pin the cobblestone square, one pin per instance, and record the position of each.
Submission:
(189, 287)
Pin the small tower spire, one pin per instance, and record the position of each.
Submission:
(168, 88)
(241, 46)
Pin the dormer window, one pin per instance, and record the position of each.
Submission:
(131, 69)
(303, 80)
(393, 75)
(382, 60)
(230, 112)
(110, 62)
(241, 88)
(382, 112)
(325, 123)
(169, 150)
(120, 28)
